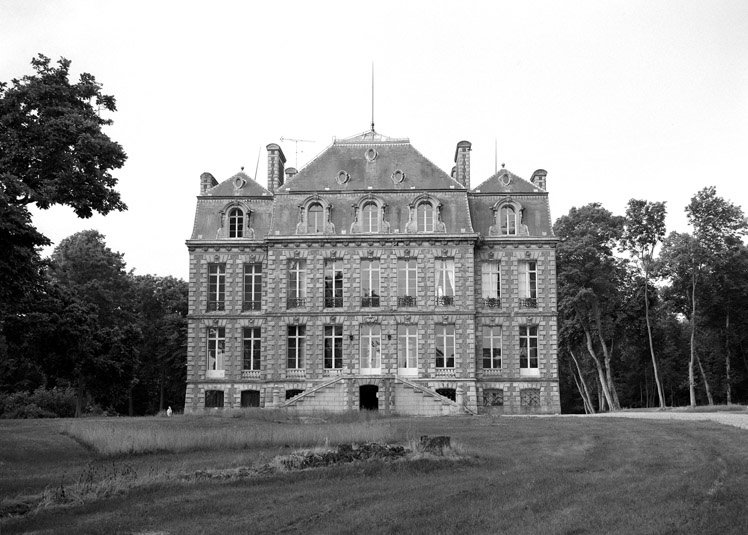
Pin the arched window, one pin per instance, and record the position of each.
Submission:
(370, 217)
(425, 217)
(236, 223)
(508, 221)
(315, 219)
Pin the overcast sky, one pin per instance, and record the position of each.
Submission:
(615, 99)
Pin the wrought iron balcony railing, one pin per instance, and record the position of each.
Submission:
(370, 301)
(214, 306)
(407, 301)
(528, 302)
(445, 301)
(252, 305)
(296, 302)
(492, 302)
(333, 302)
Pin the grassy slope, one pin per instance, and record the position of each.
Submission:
(523, 475)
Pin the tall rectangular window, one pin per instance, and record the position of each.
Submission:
(445, 281)
(216, 350)
(252, 348)
(333, 347)
(333, 283)
(296, 349)
(445, 346)
(370, 283)
(407, 348)
(492, 347)
(528, 284)
(407, 280)
(528, 348)
(371, 349)
(296, 284)
(216, 287)
(252, 287)
(491, 284)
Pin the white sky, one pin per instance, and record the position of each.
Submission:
(615, 99)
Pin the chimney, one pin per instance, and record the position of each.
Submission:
(207, 181)
(290, 173)
(538, 179)
(276, 159)
(462, 163)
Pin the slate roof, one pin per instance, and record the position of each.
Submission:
(228, 188)
(493, 184)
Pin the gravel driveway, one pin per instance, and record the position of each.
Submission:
(735, 419)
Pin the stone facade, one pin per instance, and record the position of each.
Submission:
(373, 279)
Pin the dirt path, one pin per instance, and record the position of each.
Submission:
(735, 419)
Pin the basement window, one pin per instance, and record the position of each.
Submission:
(450, 393)
(292, 393)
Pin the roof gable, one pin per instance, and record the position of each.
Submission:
(239, 185)
(505, 181)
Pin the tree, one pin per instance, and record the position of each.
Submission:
(644, 229)
(53, 150)
(588, 277)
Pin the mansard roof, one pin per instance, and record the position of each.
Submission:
(504, 181)
(239, 185)
(368, 161)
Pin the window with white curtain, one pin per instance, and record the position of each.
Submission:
(445, 281)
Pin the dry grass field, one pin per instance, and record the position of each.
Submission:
(515, 475)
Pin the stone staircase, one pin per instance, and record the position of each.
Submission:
(428, 400)
(307, 398)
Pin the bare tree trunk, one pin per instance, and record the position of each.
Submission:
(692, 361)
(660, 392)
(706, 383)
(603, 380)
(79, 396)
(586, 393)
(129, 401)
(728, 379)
(611, 387)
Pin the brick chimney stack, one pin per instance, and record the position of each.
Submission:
(276, 161)
(538, 179)
(462, 163)
(207, 181)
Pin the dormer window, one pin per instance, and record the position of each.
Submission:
(236, 223)
(370, 218)
(425, 217)
(315, 222)
(508, 221)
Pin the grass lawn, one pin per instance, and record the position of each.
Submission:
(516, 475)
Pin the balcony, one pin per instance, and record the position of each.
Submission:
(370, 301)
(528, 302)
(250, 374)
(333, 372)
(492, 302)
(445, 301)
(295, 373)
(445, 372)
(333, 302)
(406, 301)
(216, 306)
(251, 305)
(296, 302)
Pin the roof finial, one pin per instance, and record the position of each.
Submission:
(372, 96)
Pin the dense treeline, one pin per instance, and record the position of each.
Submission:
(648, 319)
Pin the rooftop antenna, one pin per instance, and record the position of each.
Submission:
(495, 157)
(372, 96)
(296, 144)
(257, 167)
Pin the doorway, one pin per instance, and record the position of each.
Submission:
(368, 396)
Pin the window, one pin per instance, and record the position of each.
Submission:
(250, 398)
(491, 284)
(407, 349)
(492, 347)
(292, 393)
(296, 339)
(333, 347)
(493, 397)
(214, 399)
(236, 223)
(371, 349)
(296, 284)
(369, 283)
(216, 287)
(445, 346)
(425, 217)
(252, 287)
(333, 283)
(508, 220)
(528, 285)
(407, 277)
(216, 348)
(315, 223)
(252, 348)
(528, 349)
(370, 217)
(449, 393)
(445, 281)
(529, 397)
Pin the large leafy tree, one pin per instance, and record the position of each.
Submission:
(644, 230)
(53, 150)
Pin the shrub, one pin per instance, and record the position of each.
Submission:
(40, 403)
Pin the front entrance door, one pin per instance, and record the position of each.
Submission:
(368, 397)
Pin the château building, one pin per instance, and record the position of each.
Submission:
(372, 279)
